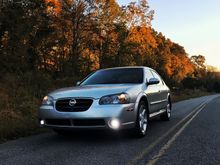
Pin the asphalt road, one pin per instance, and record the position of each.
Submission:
(192, 136)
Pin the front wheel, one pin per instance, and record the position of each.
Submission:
(142, 120)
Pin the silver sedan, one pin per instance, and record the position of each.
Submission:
(115, 98)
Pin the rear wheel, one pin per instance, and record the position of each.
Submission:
(166, 116)
(142, 120)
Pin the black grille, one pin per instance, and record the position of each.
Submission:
(89, 122)
(62, 122)
(80, 106)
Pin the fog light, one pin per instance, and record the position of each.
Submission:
(114, 123)
(42, 122)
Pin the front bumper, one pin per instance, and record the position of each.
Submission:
(97, 116)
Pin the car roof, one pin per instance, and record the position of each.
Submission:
(126, 67)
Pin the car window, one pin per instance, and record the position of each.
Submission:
(116, 76)
(148, 74)
(156, 75)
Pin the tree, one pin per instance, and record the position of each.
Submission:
(199, 65)
(138, 14)
(138, 38)
(74, 37)
(199, 61)
(107, 15)
(20, 23)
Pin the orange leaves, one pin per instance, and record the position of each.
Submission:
(148, 37)
(90, 59)
(173, 59)
(178, 66)
(138, 14)
(143, 36)
(53, 6)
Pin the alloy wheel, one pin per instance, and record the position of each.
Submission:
(143, 123)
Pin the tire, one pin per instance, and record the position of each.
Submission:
(166, 116)
(142, 120)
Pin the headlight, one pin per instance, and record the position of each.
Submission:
(122, 98)
(47, 100)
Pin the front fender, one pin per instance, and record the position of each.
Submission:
(140, 96)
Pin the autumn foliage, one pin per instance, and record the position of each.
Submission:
(56, 36)
(72, 38)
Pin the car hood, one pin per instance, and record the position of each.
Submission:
(93, 91)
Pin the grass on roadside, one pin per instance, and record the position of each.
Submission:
(185, 94)
(13, 126)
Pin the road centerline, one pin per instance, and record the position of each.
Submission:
(174, 137)
(160, 139)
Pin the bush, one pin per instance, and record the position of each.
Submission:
(21, 96)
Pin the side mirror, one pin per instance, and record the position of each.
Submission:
(153, 81)
(78, 83)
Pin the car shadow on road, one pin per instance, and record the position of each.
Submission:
(94, 136)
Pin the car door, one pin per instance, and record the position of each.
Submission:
(162, 91)
(153, 93)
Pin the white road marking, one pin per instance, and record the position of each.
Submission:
(146, 150)
(170, 142)
(161, 138)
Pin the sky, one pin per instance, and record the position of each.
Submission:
(194, 24)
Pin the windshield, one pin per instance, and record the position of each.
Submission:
(115, 76)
